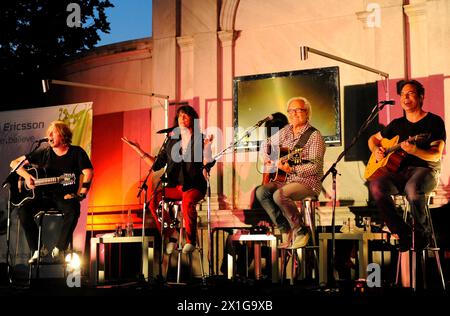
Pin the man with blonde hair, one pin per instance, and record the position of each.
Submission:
(55, 160)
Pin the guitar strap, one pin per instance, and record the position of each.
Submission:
(305, 137)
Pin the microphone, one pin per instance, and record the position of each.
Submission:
(167, 130)
(270, 117)
(179, 103)
(303, 53)
(390, 102)
(42, 140)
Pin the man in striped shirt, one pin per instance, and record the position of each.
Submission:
(302, 180)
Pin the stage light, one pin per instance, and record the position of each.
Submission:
(45, 85)
(73, 261)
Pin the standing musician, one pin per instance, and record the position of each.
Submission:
(277, 197)
(183, 156)
(418, 172)
(59, 158)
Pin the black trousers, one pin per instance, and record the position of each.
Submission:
(415, 182)
(69, 207)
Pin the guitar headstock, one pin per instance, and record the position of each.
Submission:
(67, 179)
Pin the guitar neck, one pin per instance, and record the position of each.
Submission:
(46, 181)
(393, 148)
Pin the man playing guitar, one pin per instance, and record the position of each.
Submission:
(418, 172)
(302, 180)
(59, 158)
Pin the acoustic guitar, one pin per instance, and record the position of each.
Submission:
(279, 175)
(20, 192)
(394, 155)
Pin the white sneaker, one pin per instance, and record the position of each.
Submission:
(188, 248)
(55, 252)
(170, 247)
(34, 258)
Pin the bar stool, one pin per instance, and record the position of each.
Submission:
(39, 217)
(174, 207)
(307, 206)
(413, 253)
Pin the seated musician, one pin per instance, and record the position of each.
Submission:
(184, 156)
(57, 159)
(418, 171)
(294, 181)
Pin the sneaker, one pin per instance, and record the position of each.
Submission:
(286, 239)
(34, 258)
(55, 252)
(301, 240)
(170, 247)
(188, 248)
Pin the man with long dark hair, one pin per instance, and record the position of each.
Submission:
(183, 156)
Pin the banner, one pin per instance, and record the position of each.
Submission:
(19, 131)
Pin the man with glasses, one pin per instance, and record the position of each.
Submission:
(422, 137)
(302, 173)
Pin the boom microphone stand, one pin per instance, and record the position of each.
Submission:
(373, 114)
(9, 181)
(163, 182)
(208, 167)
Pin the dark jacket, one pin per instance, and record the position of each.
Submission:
(183, 169)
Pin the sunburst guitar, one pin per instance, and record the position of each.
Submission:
(394, 155)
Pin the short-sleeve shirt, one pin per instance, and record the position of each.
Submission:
(74, 161)
(431, 125)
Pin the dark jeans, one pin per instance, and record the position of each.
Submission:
(70, 209)
(415, 182)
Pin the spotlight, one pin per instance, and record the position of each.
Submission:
(45, 85)
(73, 261)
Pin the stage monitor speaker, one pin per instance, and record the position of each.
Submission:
(358, 103)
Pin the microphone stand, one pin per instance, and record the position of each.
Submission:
(208, 167)
(373, 114)
(8, 181)
(163, 182)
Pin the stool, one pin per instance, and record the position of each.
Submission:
(40, 219)
(413, 253)
(256, 239)
(308, 207)
(175, 207)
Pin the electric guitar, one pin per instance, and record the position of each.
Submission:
(20, 192)
(393, 156)
(286, 155)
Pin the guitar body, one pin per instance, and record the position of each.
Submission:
(279, 175)
(20, 193)
(390, 163)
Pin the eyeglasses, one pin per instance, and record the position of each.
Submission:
(298, 110)
(408, 94)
